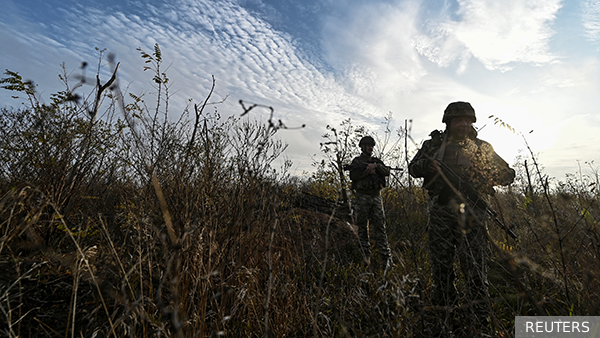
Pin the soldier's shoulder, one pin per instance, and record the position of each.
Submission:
(357, 159)
(482, 143)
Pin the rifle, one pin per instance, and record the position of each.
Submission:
(473, 196)
(378, 181)
(350, 167)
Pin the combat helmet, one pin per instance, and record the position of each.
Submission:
(366, 140)
(456, 109)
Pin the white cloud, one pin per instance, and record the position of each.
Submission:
(249, 59)
(577, 141)
(582, 76)
(497, 33)
(371, 45)
(591, 19)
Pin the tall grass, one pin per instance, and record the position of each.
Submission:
(126, 221)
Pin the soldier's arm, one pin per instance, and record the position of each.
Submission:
(506, 174)
(419, 166)
(503, 174)
(358, 170)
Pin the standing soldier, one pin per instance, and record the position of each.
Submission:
(455, 225)
(368, 175)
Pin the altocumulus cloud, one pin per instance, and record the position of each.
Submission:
(249, 59)
(591, 19)
(371, 45)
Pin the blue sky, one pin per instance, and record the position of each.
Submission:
(532, 63)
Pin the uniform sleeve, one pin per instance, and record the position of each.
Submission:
(419, 165)
(506, 175)
(502, 173)
(382, 169)
(357, 173)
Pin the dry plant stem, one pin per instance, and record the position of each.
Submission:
(21, 228)
(101, 89)
(322, 277)
(406, 160)
(20, 302)
(270, 287)
(141, 274)
(507, 258)
(114, 251)
(85, 260)
(556, 226)
(84, 150)
(198, 113)
(8, 311)
(165, 210)
(73, 307)
(46, 326)
(168, 279)
(150, 170)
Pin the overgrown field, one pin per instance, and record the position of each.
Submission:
(117, 220)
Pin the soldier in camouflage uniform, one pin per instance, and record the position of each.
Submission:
(455, 227)
(368, 175)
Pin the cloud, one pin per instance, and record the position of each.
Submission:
(399, 55)
(371, 46)
(497, 33)
(249, 58)
(591, 19)
(582, 76)
(577, 141)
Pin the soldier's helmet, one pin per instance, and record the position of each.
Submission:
(456, 109)
(367, 140)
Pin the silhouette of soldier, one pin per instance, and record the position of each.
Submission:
(368, 175)
(457, 228)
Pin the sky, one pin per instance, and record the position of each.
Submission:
(533, 64)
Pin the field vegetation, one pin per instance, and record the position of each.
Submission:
(119, 218)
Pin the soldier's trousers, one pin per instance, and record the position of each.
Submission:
(454, 231)
(370, 216)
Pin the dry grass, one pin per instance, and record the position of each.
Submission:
(141, 226)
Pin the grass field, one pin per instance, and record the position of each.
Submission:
(117, 220)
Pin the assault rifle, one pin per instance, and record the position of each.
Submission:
(350, 167)
(473, 196)
(378, 181)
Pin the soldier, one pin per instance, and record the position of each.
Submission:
(368, 175)
(455, 226)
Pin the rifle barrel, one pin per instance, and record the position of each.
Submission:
(349, 167)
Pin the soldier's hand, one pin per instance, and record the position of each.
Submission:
(371, 168)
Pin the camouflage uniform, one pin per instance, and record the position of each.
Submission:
(456, 228)
(368, 204)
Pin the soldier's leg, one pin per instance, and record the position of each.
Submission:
(442, 251)
(361, 206)
(379, 230)
(474, 254)
(442, 239)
